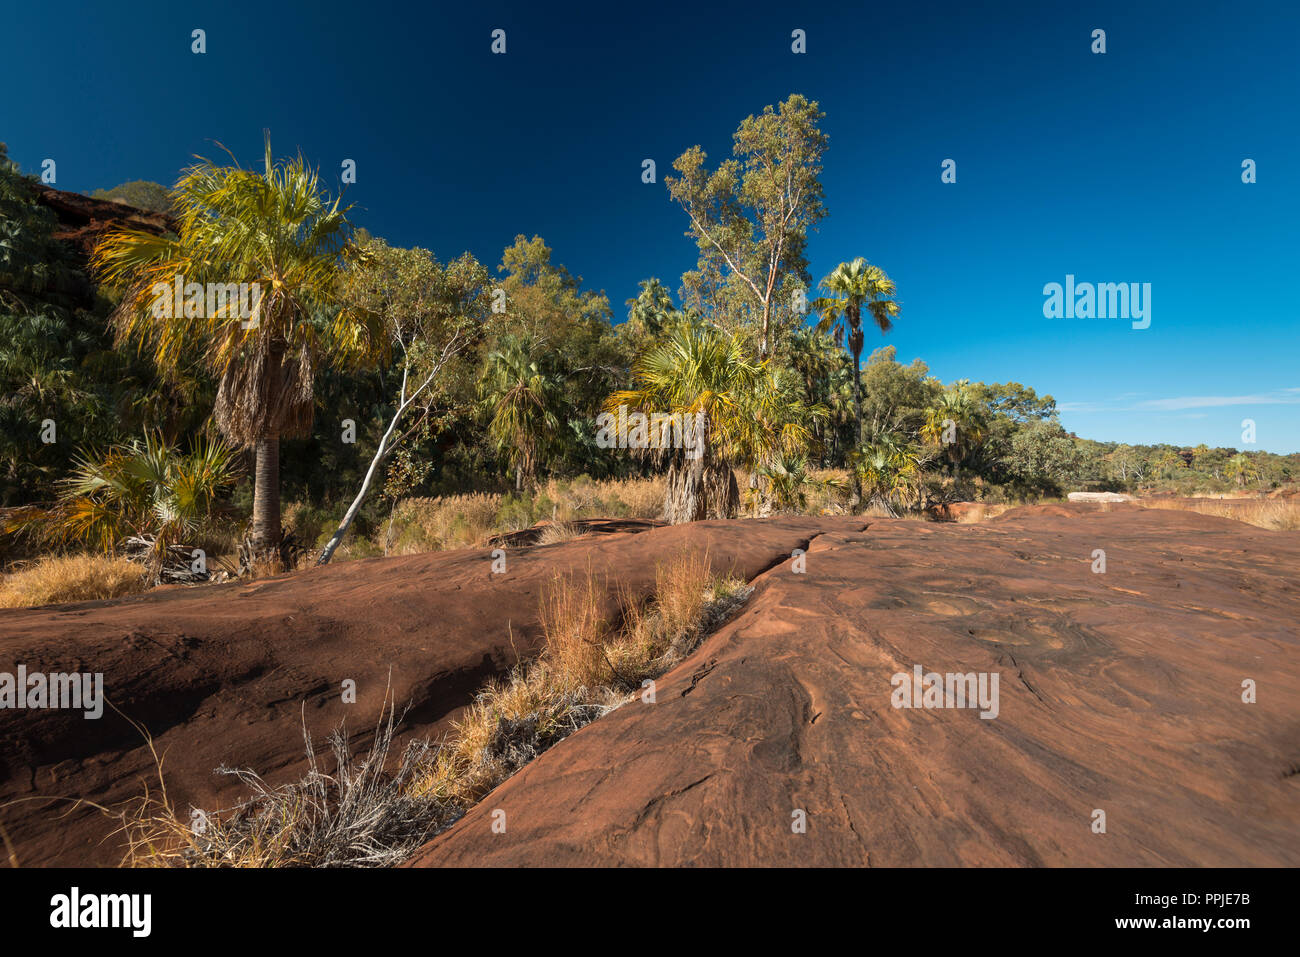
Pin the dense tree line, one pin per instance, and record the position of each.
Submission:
(370, 372)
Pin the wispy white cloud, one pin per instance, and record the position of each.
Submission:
(1279, 397)
(1289, 396)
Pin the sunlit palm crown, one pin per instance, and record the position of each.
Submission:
(275, 228)
(698, 368)
(855, 286)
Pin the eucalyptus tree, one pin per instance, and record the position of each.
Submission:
(429, 315)
(750, 219)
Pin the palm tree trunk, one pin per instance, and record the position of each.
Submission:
(266, 498)
(699, 489)
(698, 492)
(855, 346)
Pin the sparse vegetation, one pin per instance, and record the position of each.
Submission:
(370, 811)
(1274, 514)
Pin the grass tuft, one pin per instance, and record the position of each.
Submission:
(66, 578)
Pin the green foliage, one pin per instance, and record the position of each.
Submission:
(141, 193)
(275, 229)
(787, 482)
(1043, 457)
(525, 406)
(748, 416)
(58, 359)
(750, 219)
(515, 403)
(891, 470)
(143, 497)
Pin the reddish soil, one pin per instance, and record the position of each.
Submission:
(1119, 691)
(228, 674)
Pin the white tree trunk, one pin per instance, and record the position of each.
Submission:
(337, 538)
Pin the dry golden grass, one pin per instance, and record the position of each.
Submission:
(1273, 514)
(576, 633)
(468, 521)
(644, 498)
(433, 524)
(65, 578)
(557, 532)
(587, 667)
(362, 815)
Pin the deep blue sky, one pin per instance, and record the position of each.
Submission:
(1123, 167)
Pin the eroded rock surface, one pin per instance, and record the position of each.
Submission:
(229, 674)
(1119, 691)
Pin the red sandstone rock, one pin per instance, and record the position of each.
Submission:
(226, 674)
(1119, 692)
(83, 220)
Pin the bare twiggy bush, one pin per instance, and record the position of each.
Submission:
(360, 815)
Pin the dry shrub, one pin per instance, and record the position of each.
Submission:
(557, 532)
(66, 578)
(361, 815)
(434, 524)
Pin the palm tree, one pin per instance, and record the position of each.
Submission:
(957, 422)
(823, 370)
(1242, 468)
(521, 400)
(787, 481)
(651, 307)
(143, 498)
(890, 469)
(744, 416)
(278, 232)
(851, 288)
